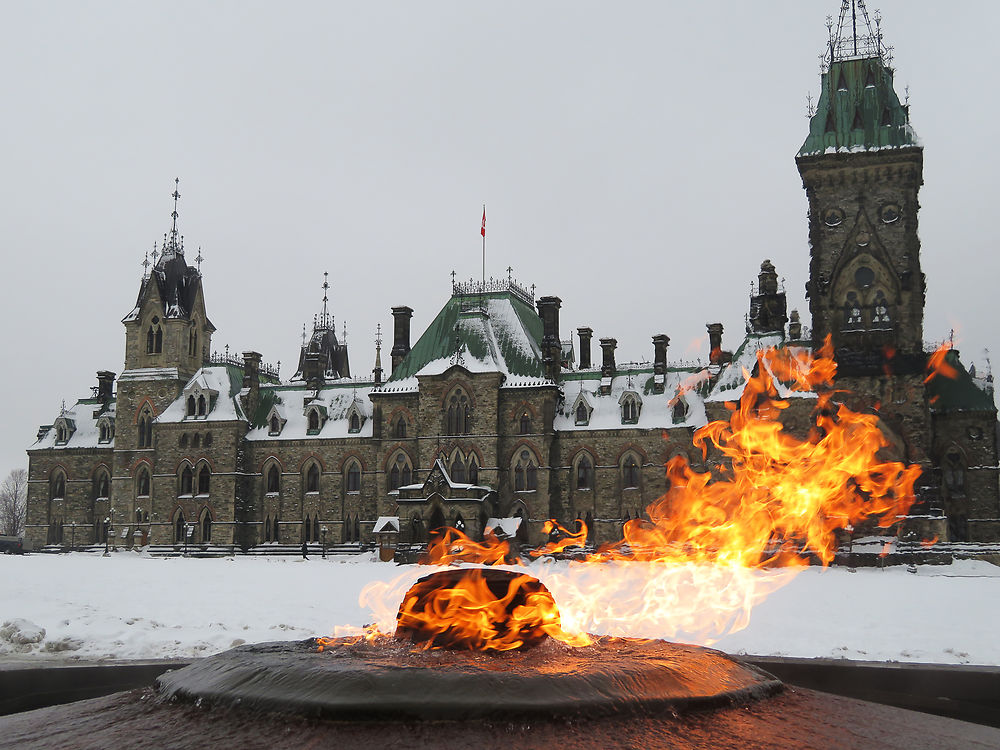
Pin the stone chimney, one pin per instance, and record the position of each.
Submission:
(105, 383)
(607, 364)
(660, 343)
(585, 334)
(400, 334)
(251, 381)
(767, 279)
(548, 311)
(714, 343)
(794, 327)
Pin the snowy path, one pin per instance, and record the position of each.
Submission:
(128, 606)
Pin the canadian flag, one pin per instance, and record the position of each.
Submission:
(483, 230)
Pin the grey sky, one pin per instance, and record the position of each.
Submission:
(637, 160)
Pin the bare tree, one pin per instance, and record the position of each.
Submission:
(13, 502)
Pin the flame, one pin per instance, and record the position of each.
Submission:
(710, 548)
(938, 365)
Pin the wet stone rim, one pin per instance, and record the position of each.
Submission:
(389, 680)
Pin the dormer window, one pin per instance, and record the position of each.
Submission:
(62, 434)
(631, 405)
(355, 418)
(275, 425)
(680, 411)
(315, 418)
(582, 410)
(65, 428)
(202, 410)
(191, 406)
(275, 422)
(314, 421)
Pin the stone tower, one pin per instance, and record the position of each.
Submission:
(862, 167)
(167, 338)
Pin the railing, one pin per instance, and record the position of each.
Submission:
(491, 285)
(266, 369)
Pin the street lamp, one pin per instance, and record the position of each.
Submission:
(107, 530)
(323, 530)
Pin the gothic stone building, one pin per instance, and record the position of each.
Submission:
(491, 417)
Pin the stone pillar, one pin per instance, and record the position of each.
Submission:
(608, 367)
(660, 343)
(548, 311)
(400, 334)
(585, 334)
(714, 342)
(794, 327)
(251, 381)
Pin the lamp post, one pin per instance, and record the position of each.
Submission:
(111, 531)
(188, 531)
(107, 530)
(72, 538)
(323, 530)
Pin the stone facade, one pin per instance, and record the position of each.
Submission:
(488, 419)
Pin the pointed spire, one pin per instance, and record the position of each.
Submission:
(845, 42)
(378, 355)
(198, 260)
(326, 287)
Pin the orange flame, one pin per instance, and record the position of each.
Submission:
(938, 364)
(718, 541)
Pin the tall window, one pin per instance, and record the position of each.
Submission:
(191, 406)
(880, 314)
(473, 471)
(525, 472)
(582, 415)
(400, 473)
(273, 479)
(312, 478)
(146, 428)
(630, 473)
(852, 313)
(179, 529)
(202, 406)
(630, 410)
(187, 480)
(354, 477)
(355, 423)
(459, 415)
(275, 425)
(400, 428)
(584, 473)
(58, 486)
(206, 526)
(102, 487)
(154, 337)
(204, 476)
(524, 424)
(679, 413)
(314, 421)
(267, 529)
(457, 470)
(142, 482)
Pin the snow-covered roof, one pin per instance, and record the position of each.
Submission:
(83, 418)
(385, 524)
(657, 410)
(225, 380)
(506, 526)
(338, 400)
(733, 377)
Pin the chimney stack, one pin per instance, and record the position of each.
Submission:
(714, 343)
(608, 364)
(105, 382)
(400, 334)
(660, 343)
(794, 327)
(251, 381)
(548, 311)
(585, 334)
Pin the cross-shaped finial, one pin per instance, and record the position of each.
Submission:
(303, 334)
(176, 195)
(344, 338)
(509, 271)
(378, 335)
(532, 291)
(145, 265)
(155, 253)
(199, 259)
(453, 277)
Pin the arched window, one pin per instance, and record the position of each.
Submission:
(459, 415)
(273, 479)
(679, 413)
(58, 486)
(880, 313)
(307, 529)
(473, 471)
(158, 341)
(190, 406)
(584, 473)
(353, 477)
(204, 476)
(316, 529)
(146, 428)
(202, 405)
(312, 478)
(275, 424)
(400, 474)
(154, 337)
(150, 338)
(206, 526)
(357, 529)
(582, 415)
(184, 440)
(457, 470)
(105, 431)
(196, 441)
(630, 472)
(142, 482)
(630, 409)
(525, 472)
(853, 320)
(277, 530)
(102, 487)
(355, 423)
(208, 439)
(314, 420)
(62, 434)
(394, 478)
(267, 529)
(400, 431)
(524, 424)
(187, 480)
(179, 528)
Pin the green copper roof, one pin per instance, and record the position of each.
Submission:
(507, 338)
(858, 110)
(959, 393)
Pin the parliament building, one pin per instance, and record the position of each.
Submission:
(495, 415)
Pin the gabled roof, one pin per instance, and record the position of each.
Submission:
(226, 380)
(958, 393)
(84, 416)
(336, 400)
(496, 332)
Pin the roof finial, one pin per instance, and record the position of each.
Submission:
(377, 370)
(176, 196)
(145, 266)
(344, 337)
(855, 46)
(198, 260)
(326, 286)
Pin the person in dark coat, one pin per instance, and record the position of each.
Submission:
(305, 551)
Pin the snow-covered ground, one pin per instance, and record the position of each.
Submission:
(128, 606)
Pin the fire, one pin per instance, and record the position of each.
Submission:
(713, 546)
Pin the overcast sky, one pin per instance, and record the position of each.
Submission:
(636, 159)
